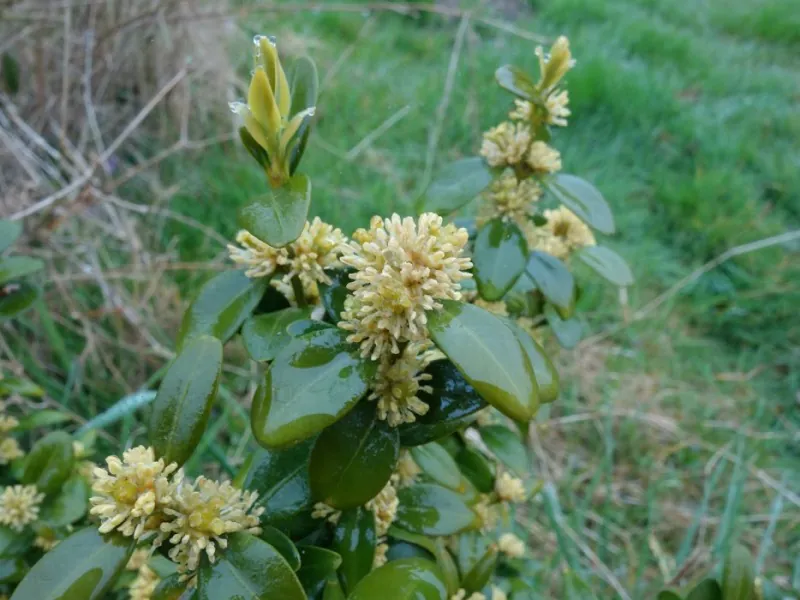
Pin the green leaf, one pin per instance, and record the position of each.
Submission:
(303, 84)
(480, 574)
(438, 465)
(68, 506)
(668, 595)
(316, 567)
(254, 148)
(545, 373)
(404, 579)
(709, 590)
(355, 539)
(582, 198)
(162, 566)
(423, 541)
(14, 543)
(608, 264)
(9, 233)
(281, 479)
(353, 459)
(278, 217)
(456, 184)
(171, 588)
(472, 546)
(12, 569)
(552, 278)
(738, 575)
(10, 72)
(222, 305)
(42, 418)
(311, 384)
(265, 335)
(477, 469)
(499, 258)
(249, 568)
(433, 510)
(333, 590)
(568, 332)
(84, 566)
(508, 448)
(17, 267)
(23, 387)
(49, 463)
(447, 566)
(17, 298)
(516, 81)
(278, 540)
(333, 294)
(488, 355)
(452, 405)
(119, 410)
(183, 403)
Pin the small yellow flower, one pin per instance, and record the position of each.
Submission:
(511, 545)
(406, 470)
(557, 111)
(544, 159)
(399, 381)
(484, 417)
(565, 225)
(509, 489)
(132, 492)
(506, 144)
(498, 594)
(462, 595)
(45, 542)
(260, 258)
(144, 585)
(496, 308)
(523, 111)
(7, 423)
(19, 506)
(380, 555)
(138, 559)
(201, 514)
(384, 507)
(553, 66)
(403, 269)
(9, 450)
(323, 511)
(486, 511)
(510, 199)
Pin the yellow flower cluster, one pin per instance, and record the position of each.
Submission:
(510, 199)
(544, 159)
(509, 488)
(563, 233)
(506, 145)
(142, 497)
(403, 268)
(384, 507)
(309, 256)
(406, 470)
(19, 506)
(146, 581)
(511, 545)
(9, 448)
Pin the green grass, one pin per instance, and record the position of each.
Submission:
(686, 118)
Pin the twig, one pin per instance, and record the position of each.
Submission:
(353, 153)
(87, 175)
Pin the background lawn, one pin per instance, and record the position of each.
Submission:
(678, 432)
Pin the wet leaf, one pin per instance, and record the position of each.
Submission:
(278, 540)
(508, 447)
(333, 294)
(499, 258)
(354, 538)
(585, 200)
(433, 510)
(184, 400)
(481, 572)
(68, 506)
(49, 463)
(710, 590)
(353, 459)
(437, 464)
(545, 373)
(311, 384)
(405, 579)
(265, 335)
(552, 278)
(477, 469)
(317, 565)
(278, 216)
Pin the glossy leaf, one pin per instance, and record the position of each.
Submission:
(354, 539)
(508, 447)
(585, 200)
(451, 406)
(281, 479)
(171, 588)
(738, 575)
(488, 355)
(423, 541)
(499, 258)
(84, 566)
(278, 540)
(317, 565)
(278, 216)
(9, 232)
(552, 278)
(447, 566)
(608, 264)
(184, 400)
(568, 332)
(516, 81)
(437, 464)
(222, 305)
(14, 543)
(477, 469)
(333, 590)
(265, 335)
(456, 184)
(12, 569)
(49, 463)
(303, 84)
(709, 590)
(433, 510)
(353, 459)
(14, 268)
(472, 546)
(68, 506)
(545, 373)
(17, 300)
(481, 572)
(249, 568)
(405, 579)
(333, 294)
(311, 384)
